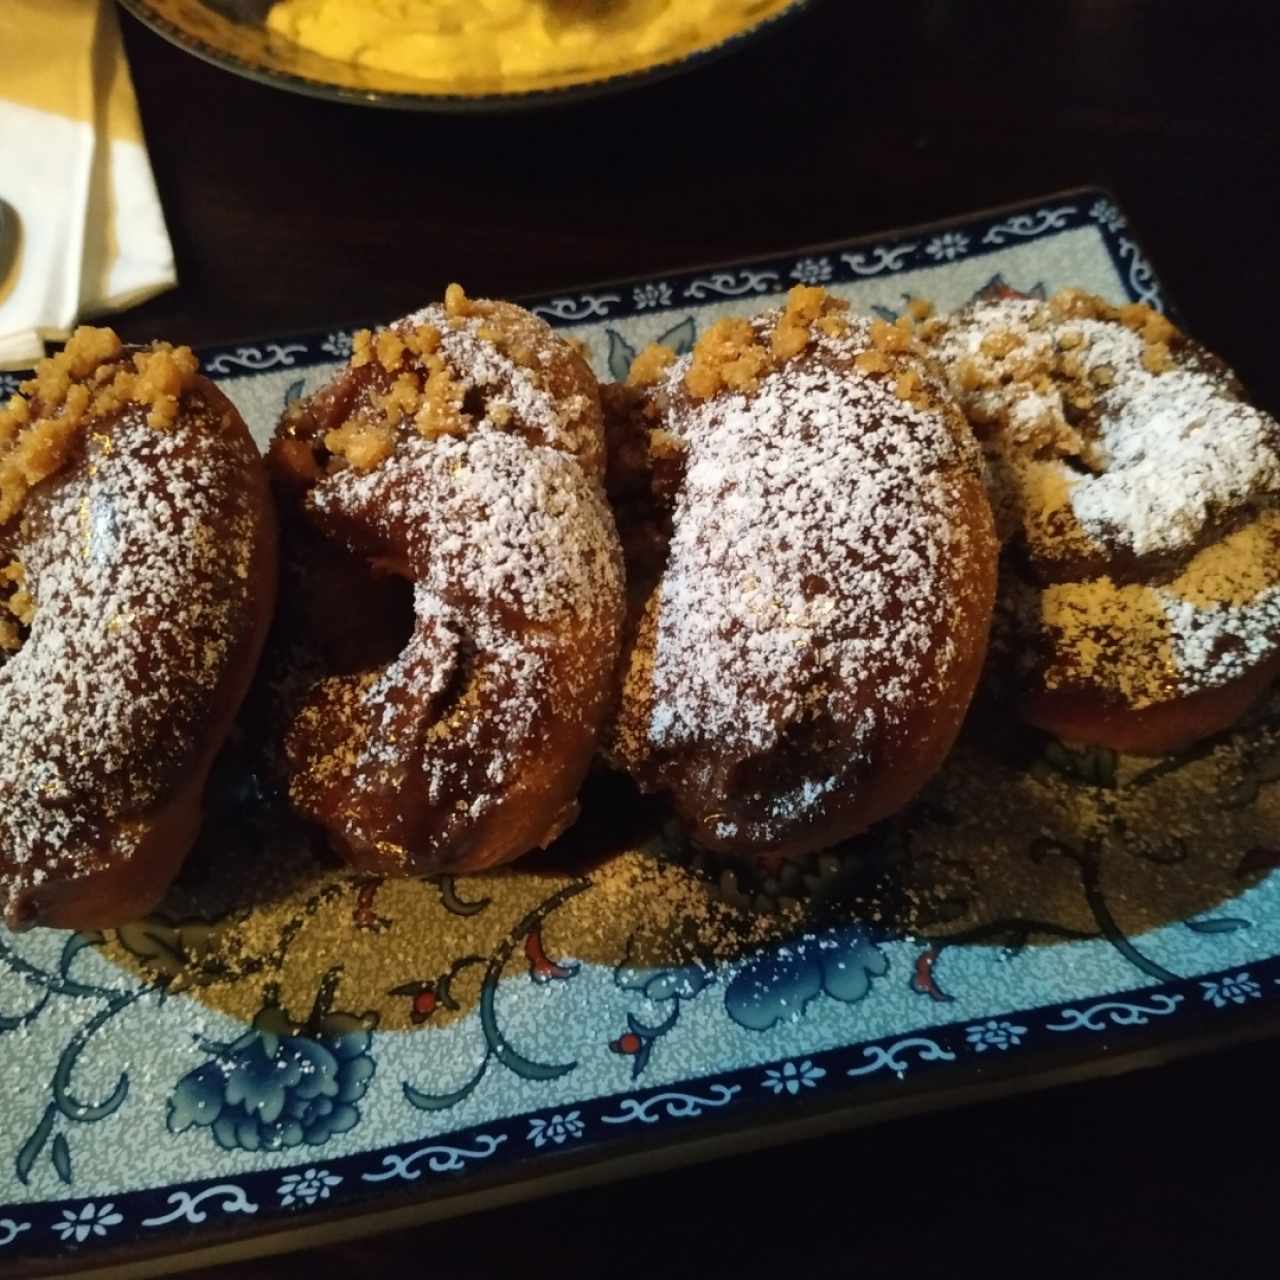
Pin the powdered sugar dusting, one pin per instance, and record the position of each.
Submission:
(514, 559)
(561, 422)
(138, 558)
(488, 518)
(1116, 465)
(1171, 452)
(763, 508)
(810, 578)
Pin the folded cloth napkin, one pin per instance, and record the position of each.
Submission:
(83, 231)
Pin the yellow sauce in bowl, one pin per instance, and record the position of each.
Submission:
(458, 44)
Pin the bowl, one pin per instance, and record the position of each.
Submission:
(233, 34)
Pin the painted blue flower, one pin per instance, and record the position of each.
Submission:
(1231, 990)
(780, 982)
(995, 1035)
(279, 1086)
(91, 1220)
(558, 1129)
(812, 270)
(338, 344)
(948, 246)
(791, 1078)
(1108, 215)
(307, 1187)
(657, 294)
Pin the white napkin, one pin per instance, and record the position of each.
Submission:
(74, 173)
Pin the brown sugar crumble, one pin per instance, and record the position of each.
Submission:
(1156, 357)
(363, 445)
(730, 355)
(389, 349)
(19, 604)
(428, 391)
(361, 348)
(649, 366)
(1003, 359)
(424, 391)
(1155, 329)
(806, 305)
(907, 386)
(89, 380)
(892, 341)
(736, 354)
(456, 302)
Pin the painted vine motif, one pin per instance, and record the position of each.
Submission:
(527, 935)
(65, 1110)
(844, 960)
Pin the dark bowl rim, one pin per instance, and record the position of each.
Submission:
(460, 103)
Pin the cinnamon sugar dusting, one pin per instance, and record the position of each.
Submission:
(1147, 643)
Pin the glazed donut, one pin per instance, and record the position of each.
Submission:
(1140, 600)
(138, 560)
(460, 451)
(812, 565)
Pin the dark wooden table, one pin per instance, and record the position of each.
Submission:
(288, 213)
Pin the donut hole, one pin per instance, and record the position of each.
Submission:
(475, 403)
(387, 628)
(480, 403)
(361, 613)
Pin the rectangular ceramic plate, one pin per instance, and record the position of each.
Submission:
(284, 1052)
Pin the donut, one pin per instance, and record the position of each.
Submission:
(1136, 490)
(137, 583)
(812, 569)
(456, 460)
